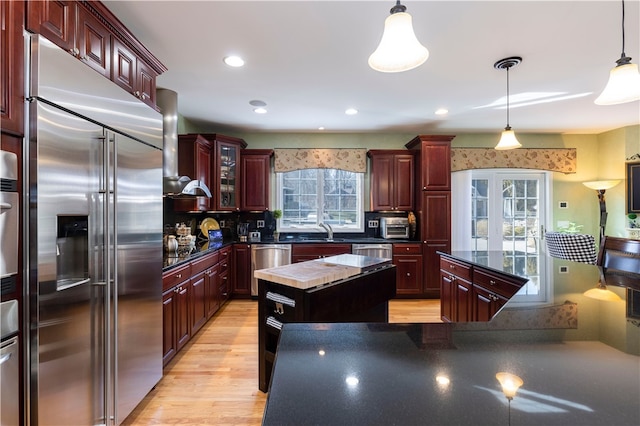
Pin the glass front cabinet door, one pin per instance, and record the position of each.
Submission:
(228, 174)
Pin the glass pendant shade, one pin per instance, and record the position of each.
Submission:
(508, 140)
(399, 50)
(623, 86)
(510, 383)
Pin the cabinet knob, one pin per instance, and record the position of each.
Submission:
(424, 188)
(137, 93)
(178, 275)
(452, 266)
(492, 282)
(408, 274)
(408, 249)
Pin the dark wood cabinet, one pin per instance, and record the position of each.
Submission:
(469, 292)
(227, 173)
(132, 74)
(304, 252)
(433, 203)
(242, 270)
(435, 161)
(91, 33)
(392, 180)
(197, 303)
(212, 288)
(225, 267)
(12, 67)
(176, 314)
(195, 160)
(255, 170)
(408, 261)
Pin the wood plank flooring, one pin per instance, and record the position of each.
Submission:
(214, 379)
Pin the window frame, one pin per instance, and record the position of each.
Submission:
(358, 225)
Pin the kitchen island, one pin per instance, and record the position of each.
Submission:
(445, 374)
(343, 288)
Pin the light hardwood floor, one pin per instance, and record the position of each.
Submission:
(214, 379)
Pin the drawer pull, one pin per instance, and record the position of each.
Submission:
(178, 276)
(271, 321)
(452, 266)
(492, 282)
(278, 298)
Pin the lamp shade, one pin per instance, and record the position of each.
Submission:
(623, 86)
(508, 140)
(601, 292)
(399, 50)
(601, 185)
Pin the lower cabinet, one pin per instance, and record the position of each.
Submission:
(408, 260)
(242, 270)
(469, 292)
(192, 294)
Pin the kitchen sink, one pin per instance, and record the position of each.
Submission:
(317, 240)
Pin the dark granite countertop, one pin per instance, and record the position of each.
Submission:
(445, 374)
(504, 262)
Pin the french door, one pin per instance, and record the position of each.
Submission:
(508, 214)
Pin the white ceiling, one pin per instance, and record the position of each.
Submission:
(308, 61)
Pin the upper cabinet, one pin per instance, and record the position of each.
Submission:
(11, 67)
(435, 164)
(195, 160)
(91, 33)
(392, 180)
(215, 160)
(255, 170)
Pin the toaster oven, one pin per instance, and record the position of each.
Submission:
(394, 227)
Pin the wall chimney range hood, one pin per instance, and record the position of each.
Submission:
(174, 185)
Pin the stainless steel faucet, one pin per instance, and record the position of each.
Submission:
(329, 230)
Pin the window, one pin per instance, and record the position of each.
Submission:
(313, 196)
(506, 212)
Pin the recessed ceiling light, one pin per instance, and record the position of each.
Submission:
(351, 111)
(257, 103)
(260, 110)
(321, 128)
(234, 61)
(441, 111)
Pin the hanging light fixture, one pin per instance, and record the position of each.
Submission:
(399, 49)
(508, 139)
(624, 80)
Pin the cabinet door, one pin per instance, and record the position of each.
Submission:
(12, 67)
(194, 160)
(464, 304)
(485, 303)
(403, 182)
(242, 269)
(382, 179)
(169, 337)
(55, 20)
(408, 275)
(255, 180)
(183, 330)
(198, 303)
(145, 88)
(436, 166)
(124, 65)
(212, 284)
(227, 177)
(93, 41)
(447, 299)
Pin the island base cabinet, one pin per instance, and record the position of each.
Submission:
(362, 298)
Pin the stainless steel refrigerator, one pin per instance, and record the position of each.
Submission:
(95, 243)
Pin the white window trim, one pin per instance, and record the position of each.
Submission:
(357, 227)
(461, 210)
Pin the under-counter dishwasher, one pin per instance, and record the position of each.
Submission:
(265, 256)
(384, 251)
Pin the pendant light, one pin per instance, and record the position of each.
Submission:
(508, 139)
(399, 49)
(624, 80)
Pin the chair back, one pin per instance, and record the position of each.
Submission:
(619, 262)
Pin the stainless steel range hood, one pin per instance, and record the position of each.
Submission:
(174, 185)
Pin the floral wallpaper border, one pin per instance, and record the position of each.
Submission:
(562, 160)
(349, 159)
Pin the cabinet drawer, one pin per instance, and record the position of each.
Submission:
(399, 249)
(224, 258)
(461, 270)
(320, 250)
(494, 283)
(175, 276)
(203, 263)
